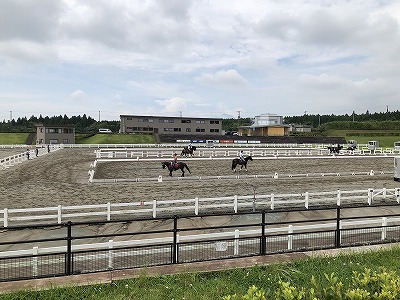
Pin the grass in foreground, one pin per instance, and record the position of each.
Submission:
(216, 285)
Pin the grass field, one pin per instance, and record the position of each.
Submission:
(13, 138)
(216, 285)
(385, 139)
(107, 138)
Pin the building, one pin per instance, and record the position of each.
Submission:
(300, 128)
(265, 125)
(55, 134)
(170, 125)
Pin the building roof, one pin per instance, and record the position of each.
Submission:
(263, 126)
(183, 117)
(55, 125)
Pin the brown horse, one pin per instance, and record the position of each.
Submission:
(178, 166)
(238, 161)
(188, 152)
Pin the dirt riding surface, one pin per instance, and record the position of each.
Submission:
(61, 178)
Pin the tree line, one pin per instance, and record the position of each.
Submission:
(366, 121)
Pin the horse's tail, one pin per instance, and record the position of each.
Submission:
(233, 165)
(187, 168)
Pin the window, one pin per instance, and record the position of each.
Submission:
(200, 122)
(147, 120)
(186, 121)
(53, 141)
(188, 130)
(214, 130)
(214, 122)
(130, 119)
(166, 121)
(200, 130)
(65, 141)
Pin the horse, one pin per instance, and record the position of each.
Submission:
(186, 151)
(333, 149)
(238, 161)
(178, 166)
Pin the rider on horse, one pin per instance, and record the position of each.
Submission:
(190, 147)
(175, 161)
(241, 156)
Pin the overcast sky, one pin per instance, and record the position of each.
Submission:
(200, 58)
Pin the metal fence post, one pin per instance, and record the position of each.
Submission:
(68, 260)
(337, 235)
(263, 237)
(175, 242)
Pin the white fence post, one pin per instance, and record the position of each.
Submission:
(236, 243)
(306, 200)
(59, 214)
(108, 211)
(154, 208)
(35, 251)
(5, 217)
(370, 196)
(110, 254)
(290, 237)
(235, 204)
(196, 206)
(339, 194)
(384, 229)
(272, 201)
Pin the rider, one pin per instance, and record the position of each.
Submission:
(175, 161)
(241, 156)
(190, 146)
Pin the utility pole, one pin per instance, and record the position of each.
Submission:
(99, 116)
(238, 114)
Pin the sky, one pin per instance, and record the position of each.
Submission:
(198, 58)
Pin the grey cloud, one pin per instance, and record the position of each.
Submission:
(29, 19)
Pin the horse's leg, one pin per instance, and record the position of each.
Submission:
(183, 172)
(170, 172)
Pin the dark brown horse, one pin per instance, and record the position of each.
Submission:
(188, 152)
(333, 149)
(178, 166)
(238, 161)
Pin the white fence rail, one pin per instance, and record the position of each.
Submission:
(233, 152)
(154, 208)
(13, 160)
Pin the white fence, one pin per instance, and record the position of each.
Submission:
(286, 234)
(233, 152)
(154, 208)
(13, 160)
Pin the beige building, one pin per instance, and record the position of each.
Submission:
(265, 125)
(170, 125)
(55, 134)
